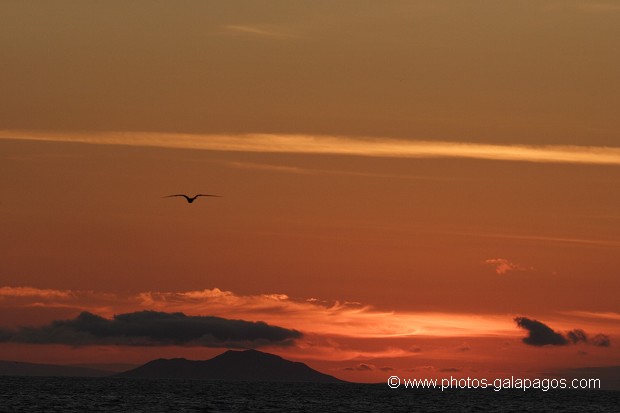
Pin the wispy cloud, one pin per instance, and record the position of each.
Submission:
(335, 318)
(596, 315)
(599, 7)
(320, 317)
(313, 171)
(268, 167)
(255, 31)
(503, 266)
(587, 6)
(29, 292)
(546, 239)
(361, 367)
(339, 145)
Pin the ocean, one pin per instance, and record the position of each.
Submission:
(62, 394)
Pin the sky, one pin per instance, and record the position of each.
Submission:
(422, 188)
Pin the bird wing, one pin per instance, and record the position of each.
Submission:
(219, 196)
(168, 196)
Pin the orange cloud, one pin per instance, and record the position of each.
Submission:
(597, 315)
(338, 145)
(347, 319)
(29, 292)
(503, 266)
(331, 330)
(314, 316)
(264, 31)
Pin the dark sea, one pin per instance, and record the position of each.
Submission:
(61, 394)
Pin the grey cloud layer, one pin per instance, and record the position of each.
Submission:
(152, 328)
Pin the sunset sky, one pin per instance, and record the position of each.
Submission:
(422, 188)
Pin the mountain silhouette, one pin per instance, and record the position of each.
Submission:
(248, 365)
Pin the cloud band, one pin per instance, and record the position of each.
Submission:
(338, 145)
(153, 328)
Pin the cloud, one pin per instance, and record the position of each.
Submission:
(332, 330)
(540, 334)
(502, 265)
(19, 292)
(543, 239)
(267, 167)
(314, 317)
(422, 368)
(592, 314)
(332, 318)
(338, 145)
(309, 171)
(601, 340)
(587, 6)
(264, 31)
(579, 336)
(361, 367)
(152, 328)
(599, 7)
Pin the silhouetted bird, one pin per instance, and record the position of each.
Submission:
(189, 199)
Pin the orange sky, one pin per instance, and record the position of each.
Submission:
(400, 180)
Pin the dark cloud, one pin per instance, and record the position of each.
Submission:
(386, 368)
(577, 336)
(427, 368)
(5, 335)
(152, 328)
(361, 367)
(450, 370)
(601, 340)
(541, 335)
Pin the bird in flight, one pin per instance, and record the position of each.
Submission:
(190, 199)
